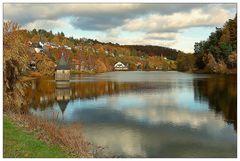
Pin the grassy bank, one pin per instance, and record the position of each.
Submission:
(17, 143)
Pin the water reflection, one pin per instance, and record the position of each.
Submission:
(220, 93)
(62, 95)
(170, 114)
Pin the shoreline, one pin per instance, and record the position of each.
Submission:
(41, 75)
(67, 141)
(18, 142)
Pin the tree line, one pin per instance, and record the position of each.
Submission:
(219, 49)
(217, 54)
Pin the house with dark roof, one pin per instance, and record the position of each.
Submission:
(62, 70)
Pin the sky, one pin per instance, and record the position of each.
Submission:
(176, 26)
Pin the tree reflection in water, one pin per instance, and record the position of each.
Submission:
(145, 111)
(44, 93)
(221, 94)
(219, 91)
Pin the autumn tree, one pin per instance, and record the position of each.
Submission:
(185, 62)
(15, 62)
(232, 60)
(220, 44)
(15, 52)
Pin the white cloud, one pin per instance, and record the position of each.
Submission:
(162, 36)
(169, 15)
(177, 117)
(136, 40)
(177, 21)
(25, 13)
(46, 24)
(113, 32)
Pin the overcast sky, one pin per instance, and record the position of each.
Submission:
(177, 26)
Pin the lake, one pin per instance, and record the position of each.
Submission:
(146, 114)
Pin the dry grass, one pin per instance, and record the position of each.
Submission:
(69, 137)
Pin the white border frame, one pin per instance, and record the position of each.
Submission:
(116, 1)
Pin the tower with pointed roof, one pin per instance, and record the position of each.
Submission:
(62, 96)
(63, 70)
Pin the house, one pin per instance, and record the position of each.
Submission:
(54, 46)
(32, 65)
(46, 43)
(63, 70)
(120, 66)
(67, 47)
(38, 50)
(36, 46)
(41, 43)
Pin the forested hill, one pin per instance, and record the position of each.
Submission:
(43, 49)
(135, 50)
(100, 56)
(219, 52)
(156, 51)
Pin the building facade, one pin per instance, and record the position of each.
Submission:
(63, 70)
(120, 66)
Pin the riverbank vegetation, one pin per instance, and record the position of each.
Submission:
(17, 143)
(53, 133)
(16, 70)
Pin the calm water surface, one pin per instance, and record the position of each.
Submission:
(146, 114)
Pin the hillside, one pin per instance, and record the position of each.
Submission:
(155, 51)
(86, 55)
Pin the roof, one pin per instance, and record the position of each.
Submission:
(63, 105)
(62, 64)
(119, 64)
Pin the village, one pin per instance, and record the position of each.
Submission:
(92, 58)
